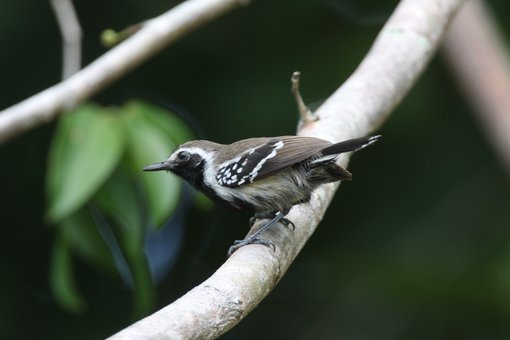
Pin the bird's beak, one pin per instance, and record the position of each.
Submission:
(159, 166)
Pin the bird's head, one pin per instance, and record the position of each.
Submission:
(188, 159)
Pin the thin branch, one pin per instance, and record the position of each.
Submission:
(480, 61)
(398, 57)
(70, 30)
(156, 34)
(305, 113)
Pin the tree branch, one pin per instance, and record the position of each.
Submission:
(156, 34)
(70, 30)
(479, 60)
(398, 57)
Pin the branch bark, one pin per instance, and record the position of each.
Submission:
(156, 34)
(479, 60)
(399, 55)
(71, 32)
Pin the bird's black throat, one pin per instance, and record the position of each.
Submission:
(192, 172)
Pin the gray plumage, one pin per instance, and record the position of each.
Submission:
(266, 175)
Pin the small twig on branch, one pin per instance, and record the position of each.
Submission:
(305, 113)
(71, 32)
(156, 34)
(479, 59)
(399, 55)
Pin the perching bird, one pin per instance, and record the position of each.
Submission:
(266, 175)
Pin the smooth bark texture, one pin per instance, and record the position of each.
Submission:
(398, 57)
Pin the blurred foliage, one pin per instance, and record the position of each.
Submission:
(100, 201)
(417, 246)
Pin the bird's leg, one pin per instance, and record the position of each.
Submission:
(269, 215)
(262, 216)
(253, 239)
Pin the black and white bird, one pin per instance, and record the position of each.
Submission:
(266, 175)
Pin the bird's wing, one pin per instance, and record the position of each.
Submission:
(266, 158)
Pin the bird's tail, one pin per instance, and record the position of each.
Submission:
(330, 153)
(350, 145)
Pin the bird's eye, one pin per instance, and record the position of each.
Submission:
(183, 156)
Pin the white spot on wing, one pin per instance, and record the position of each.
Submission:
(227, 174)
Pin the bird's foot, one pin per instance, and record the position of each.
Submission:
(286, 222)
(266, 215)
(250, 240)
(272, 215)
(254, 239)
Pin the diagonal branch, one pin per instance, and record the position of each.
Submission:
(398, 57)
(156, 34)
(480, 61)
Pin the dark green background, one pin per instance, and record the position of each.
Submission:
(416, 247)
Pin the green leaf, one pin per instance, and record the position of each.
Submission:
(86, 148)
(119, 201)
(168, 122)
(144, 296)
(62, 280)
(147, 144)
(80, 233)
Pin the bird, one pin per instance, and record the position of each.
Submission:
(264, 175)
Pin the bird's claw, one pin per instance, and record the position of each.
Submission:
(241, 243)
(253, 239)
(286, 222)
(253, 219)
